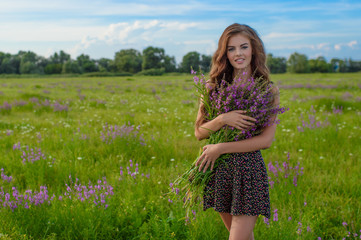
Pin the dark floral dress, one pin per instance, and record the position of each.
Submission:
(239, 186)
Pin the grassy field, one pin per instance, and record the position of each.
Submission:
(92, 158)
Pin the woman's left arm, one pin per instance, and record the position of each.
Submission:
(212, 151)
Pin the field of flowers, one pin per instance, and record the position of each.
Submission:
(94, 158)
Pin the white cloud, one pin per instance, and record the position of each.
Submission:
(337, 47)
(324, 46)
(142, 33)
(352, 44)
(148, 31)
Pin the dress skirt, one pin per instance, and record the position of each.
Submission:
(239, 186)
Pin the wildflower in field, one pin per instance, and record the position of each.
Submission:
(337, 110)
(57, 107)
(15, 199)
(299, 230)
(5, 108)
(312, 122)
(278, 173)
(194, 214)
(126, 131)
(4, 177)
(16, 146)
(275, 215)
(132, 171)
(266, 221)
(19, 103)
(91, 193)
(30, 154)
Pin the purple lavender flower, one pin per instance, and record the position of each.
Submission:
(57, 107)
(4, 177)
(126, 131)
(275, 215)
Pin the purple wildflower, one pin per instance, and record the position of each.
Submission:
(275, 215)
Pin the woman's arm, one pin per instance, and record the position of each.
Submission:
(262, 141)
(207, 127)
(235, 119)
(212, 151)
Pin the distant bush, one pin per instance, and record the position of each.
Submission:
(106, 74)
(152, 72)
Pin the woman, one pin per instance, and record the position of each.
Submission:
(239, 189)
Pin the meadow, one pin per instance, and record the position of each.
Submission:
(94, 158)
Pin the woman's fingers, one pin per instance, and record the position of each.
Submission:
(240, 111)
(199, 159)
(246, 123)
(250, 118)
(206, 167)
(212, 165)
(241, 126)
(202, 164)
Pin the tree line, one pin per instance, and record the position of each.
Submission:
(299, 63)
(154, 61)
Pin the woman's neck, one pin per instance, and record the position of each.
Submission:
(241, 73)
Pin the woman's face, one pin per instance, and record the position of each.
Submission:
(239, 53)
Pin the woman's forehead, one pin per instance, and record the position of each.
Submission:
(238, 39)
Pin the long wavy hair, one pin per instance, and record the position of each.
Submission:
(221, 67)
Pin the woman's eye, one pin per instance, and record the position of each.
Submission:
(245, 47)
(230, 49)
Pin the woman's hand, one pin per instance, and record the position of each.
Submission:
(238, 120)
(209, 156)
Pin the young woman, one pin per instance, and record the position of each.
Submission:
(239, 189)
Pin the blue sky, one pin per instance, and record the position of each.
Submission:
(101, 28)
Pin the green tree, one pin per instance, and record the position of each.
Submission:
(319, 65)
(153, 57)
(86, 64)
(276, 64)
(190, 60)
(53, 68)
(169, 64)
(71, 67)
(205, 63)
(298, 63)
(338, 65)
(352, 66)
(29, 63)
(104, 64)
(128, 60)
(60, 58)
(9, 64)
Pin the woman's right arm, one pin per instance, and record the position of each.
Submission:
(235, 119)
(203, 131)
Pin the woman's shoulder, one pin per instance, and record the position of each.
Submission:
(210, 83)
(274, 87)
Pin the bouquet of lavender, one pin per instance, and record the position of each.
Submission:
(253, 95)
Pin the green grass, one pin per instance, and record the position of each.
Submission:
(165, 108)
